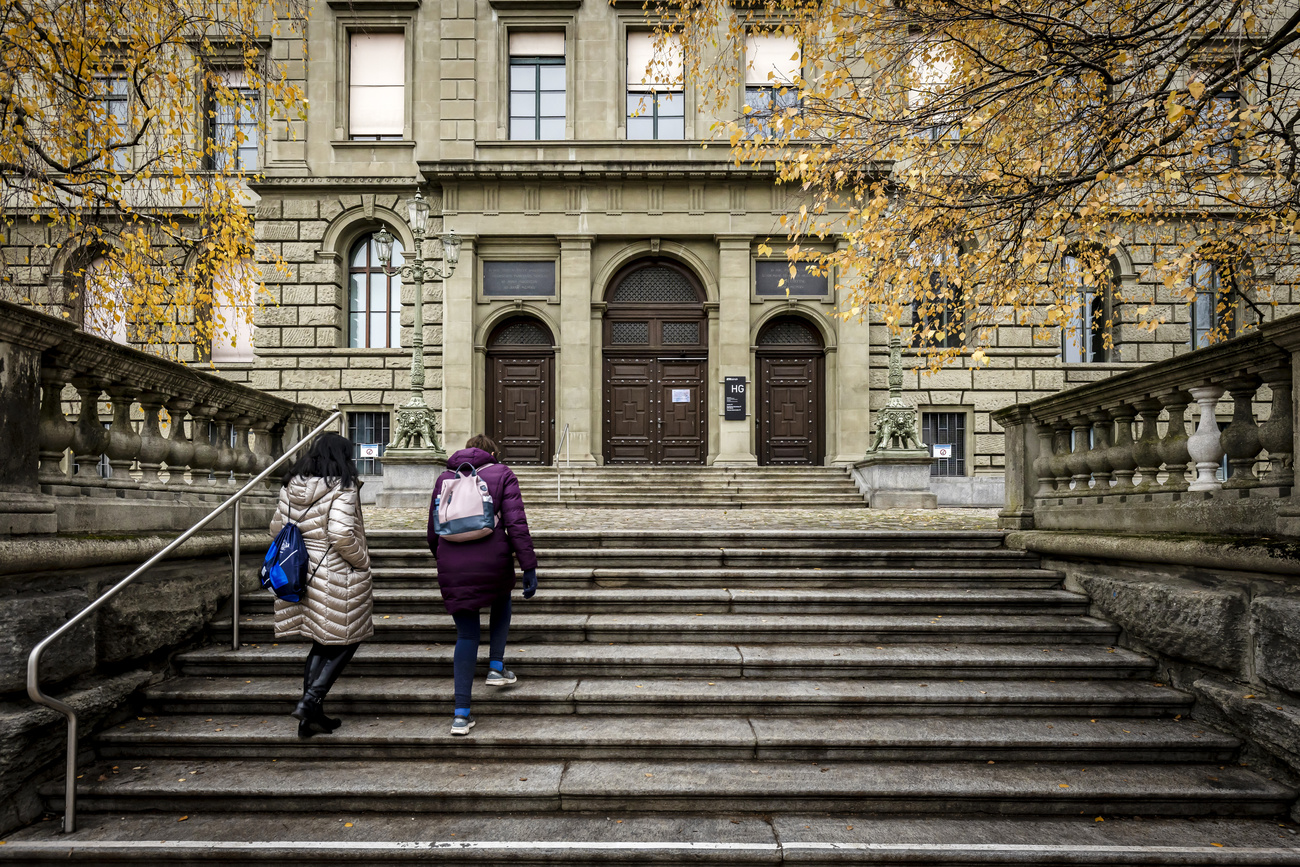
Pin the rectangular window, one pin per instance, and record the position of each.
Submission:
(233, 124)
(115, 97)
(377, 86)
(1213, 303)
(369, 434)
(1083, 339)
(537, 83)
(945, 429)
(772, 63)
(656, 104)
(930, 68)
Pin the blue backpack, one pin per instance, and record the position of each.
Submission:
(284, 569)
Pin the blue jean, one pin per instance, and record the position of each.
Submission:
(468, 636)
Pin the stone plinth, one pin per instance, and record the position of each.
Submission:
(409, 475)
(896, 479)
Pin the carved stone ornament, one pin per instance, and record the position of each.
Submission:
(896, 423)
(415, 429)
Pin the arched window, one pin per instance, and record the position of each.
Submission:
(104, 301)
(1083, 338)
(1214, 309)
(232, 332)
(374, 298)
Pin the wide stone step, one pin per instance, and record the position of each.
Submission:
(700, 600)
(987, 542)
(929, 578)
(237, 838)
(648, 785)
(682, 696)
(699, 660)
(737, 628)
(903, 738)
(631, 500)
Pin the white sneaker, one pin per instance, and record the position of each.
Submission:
(500, 678)
(462, 724)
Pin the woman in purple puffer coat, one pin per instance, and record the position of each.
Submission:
(481, 573)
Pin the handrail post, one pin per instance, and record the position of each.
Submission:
(234, 596)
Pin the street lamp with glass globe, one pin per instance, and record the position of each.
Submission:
(415, 427)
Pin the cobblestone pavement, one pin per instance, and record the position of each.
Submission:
(543, 518)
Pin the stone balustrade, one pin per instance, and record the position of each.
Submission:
(177, 440)
(1201, 443)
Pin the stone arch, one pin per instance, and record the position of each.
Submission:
(647, 249)
(498, 316)
(345, 229)
(820, 323)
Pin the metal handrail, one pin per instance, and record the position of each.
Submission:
(34, 658)
(564, 444)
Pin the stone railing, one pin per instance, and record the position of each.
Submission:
(1144, 451)
(71, 402)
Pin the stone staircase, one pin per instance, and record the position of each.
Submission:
(649, 487)
(730, 697)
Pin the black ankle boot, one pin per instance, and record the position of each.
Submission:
(312, 719)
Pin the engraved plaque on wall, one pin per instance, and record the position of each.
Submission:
(513, 279)
(769, 274)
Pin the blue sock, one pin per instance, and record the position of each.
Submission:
(462, 711)
(497, 665)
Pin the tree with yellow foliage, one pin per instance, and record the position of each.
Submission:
(127, 130)
(983, 159)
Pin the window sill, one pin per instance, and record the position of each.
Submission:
(359, 144)
(394, 352)
(535, 4)
(371, 5)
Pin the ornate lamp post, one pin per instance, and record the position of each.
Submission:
(415, 423)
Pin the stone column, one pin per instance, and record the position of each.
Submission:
(574, 405)
(734, 441)
(458, 358)
(852, 378)
(1022, 446)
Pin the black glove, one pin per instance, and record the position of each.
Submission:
(530, 583)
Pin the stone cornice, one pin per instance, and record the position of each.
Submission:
(387, 181)
(590, 170)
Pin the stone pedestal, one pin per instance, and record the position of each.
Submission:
(896, 479)
(409, 475)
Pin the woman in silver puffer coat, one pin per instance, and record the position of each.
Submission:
(322, 495)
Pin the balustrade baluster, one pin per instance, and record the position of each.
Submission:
(1204, 445)
(225, 451)
(1099, 453)
(90, 438)
(1240, 439)
(1043, 463)
(1061, 456)
(179, 448)
(1146, 449)
(244, 457)
(261, 446)
(1077, 464)
(55, 432)
(1277, 434)
(153, 446)
(1173, 447)
(1122, 452)
(205, 453)
(123, 441)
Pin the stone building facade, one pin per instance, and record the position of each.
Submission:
(609, 281)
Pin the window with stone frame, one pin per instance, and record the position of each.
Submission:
(374, 297)
(104, 301)
(656, 101)
(949, 429)
(939, 320)
(772, 64)
(370, 433)
(1083, 337)
(233, 122)
(1214, 307)
(537, 85)
(232, 328)
(376, 86)
(114, 95)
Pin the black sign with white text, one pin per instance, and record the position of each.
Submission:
(733, 398)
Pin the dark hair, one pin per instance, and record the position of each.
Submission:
(328, 457)
(484, 442)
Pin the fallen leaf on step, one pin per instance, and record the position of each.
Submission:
(182, 818)
(347, 824)
(1063, 786)
(102, 778)
(1099, 819)
(649, 775)
(523, 779)
(1220, 845)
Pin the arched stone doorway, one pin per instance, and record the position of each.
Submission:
(656, 360)
(521, 391)
(791, 417)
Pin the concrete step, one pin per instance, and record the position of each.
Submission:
(1051, 661)
(631, 500)
(927, 578)
(989, 541)
(647, 785)
(681, 696)
(700, 600)
(737, 628)
(233, 838)
(901, 738)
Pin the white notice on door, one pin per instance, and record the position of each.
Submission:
(681, 395)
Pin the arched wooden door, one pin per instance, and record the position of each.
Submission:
(656, 361)
(791, 415)
(521, 391)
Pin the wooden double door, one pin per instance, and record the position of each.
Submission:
(520, 390)
(655, 410)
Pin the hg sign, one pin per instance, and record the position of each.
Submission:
(733, 398)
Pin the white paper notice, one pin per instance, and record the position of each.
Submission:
(681, 395)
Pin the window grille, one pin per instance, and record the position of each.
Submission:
(654, 284)
(630, 333)
(368, 428)
(946, 428)
(789, 331)
(681, 333)
(522, 332)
